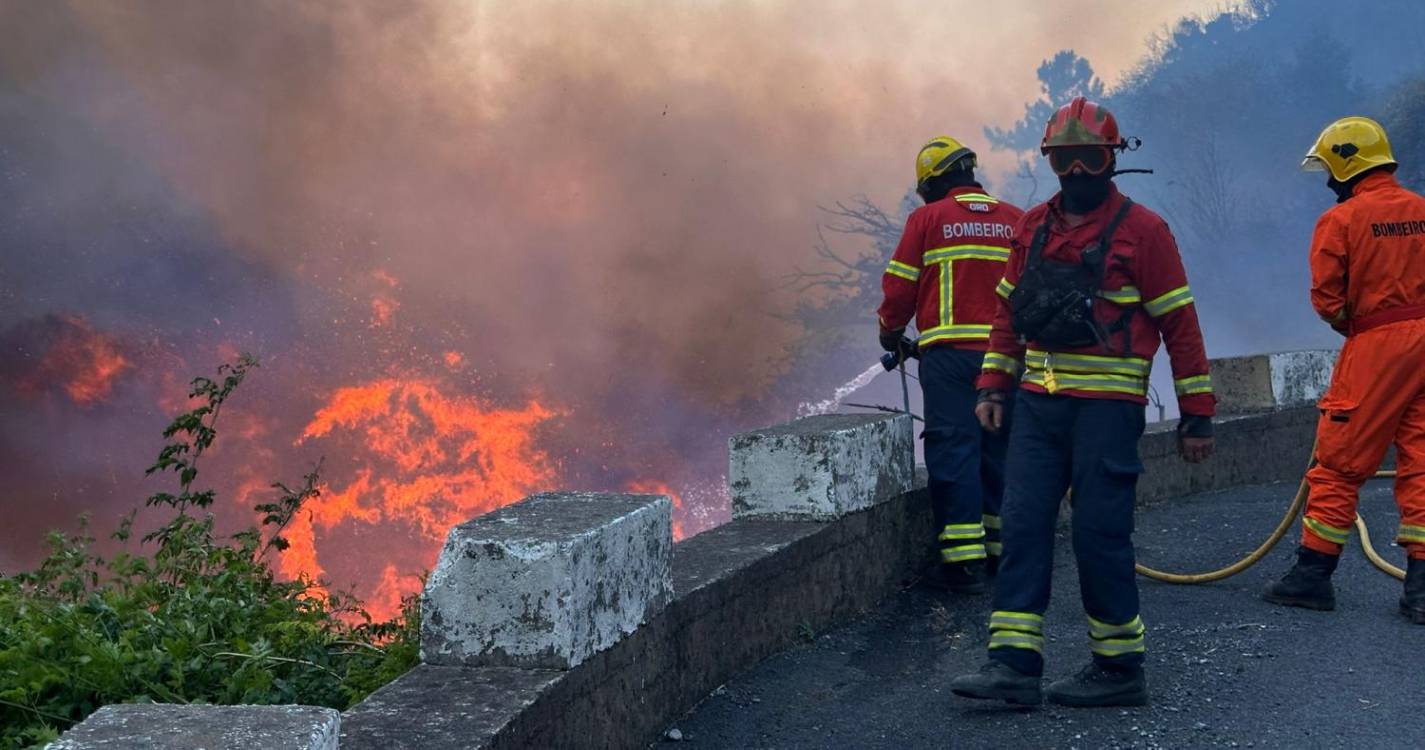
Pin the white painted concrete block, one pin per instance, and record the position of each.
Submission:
(821, 467)
(1262, 382)
(184, 727)
(549, 581)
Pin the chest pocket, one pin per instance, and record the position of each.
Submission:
(1053, 304)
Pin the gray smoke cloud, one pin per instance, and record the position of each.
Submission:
(589, 205)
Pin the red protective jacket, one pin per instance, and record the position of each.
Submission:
(944, 271)
(1383, 227)
(1143, 277)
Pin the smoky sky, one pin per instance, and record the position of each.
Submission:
(618, 182)
(594, 204)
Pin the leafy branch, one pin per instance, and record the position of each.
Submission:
(196, 617)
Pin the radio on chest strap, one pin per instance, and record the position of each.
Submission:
(1053, 303)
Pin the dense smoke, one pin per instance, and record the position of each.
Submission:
(578, 211)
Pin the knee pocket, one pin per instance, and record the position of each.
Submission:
(1123, 469)
(1338, 448)
(1101, 531)
(1109, 515)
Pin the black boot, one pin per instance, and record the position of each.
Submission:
(1308, 583)
(961, 578)
(998, 681)
(1098, 685)
(1412, 602)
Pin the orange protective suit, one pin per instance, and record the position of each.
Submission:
(1368, 281)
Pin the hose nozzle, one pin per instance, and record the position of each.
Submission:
(908, 350)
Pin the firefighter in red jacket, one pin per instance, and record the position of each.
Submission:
(944, 271)
(1094, 284)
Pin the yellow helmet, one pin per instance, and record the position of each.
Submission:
(941, 155)
(1348, 147)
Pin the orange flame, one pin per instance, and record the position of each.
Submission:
(385, 277)
(386, 599)
(654, 487)
(78, 360)
(430, 460)
(383, 308)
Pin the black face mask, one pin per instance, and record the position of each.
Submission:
(1342, 190)
(1082, 193)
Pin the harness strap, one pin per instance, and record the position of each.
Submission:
(1095, 259)
(1100, 264)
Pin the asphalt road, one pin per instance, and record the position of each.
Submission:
(1225, 669)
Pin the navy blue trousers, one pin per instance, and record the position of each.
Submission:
(1089, 446)
(965, 463)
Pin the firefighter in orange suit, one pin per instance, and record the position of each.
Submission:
(943, 273)
(1368, 283)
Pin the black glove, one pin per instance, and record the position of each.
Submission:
(1195, 426)
(891, 340)
(992, 395)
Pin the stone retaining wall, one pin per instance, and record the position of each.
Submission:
(786, 567)
(748, 589)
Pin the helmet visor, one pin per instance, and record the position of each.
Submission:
(1093, 160)
(1313, 163)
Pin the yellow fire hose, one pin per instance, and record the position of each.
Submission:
(1285, 525)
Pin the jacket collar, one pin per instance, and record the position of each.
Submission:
(1096, 218)
(1378, 181)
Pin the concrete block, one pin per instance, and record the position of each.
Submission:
(821, 467)
(1263, 382)
(549, 581)
(184, 727)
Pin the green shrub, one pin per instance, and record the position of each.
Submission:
(192, 617)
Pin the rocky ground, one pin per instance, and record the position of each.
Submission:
(1225, 668)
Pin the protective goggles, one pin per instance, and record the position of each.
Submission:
(1093, 160)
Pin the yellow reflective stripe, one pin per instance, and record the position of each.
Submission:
(1004, 639)
(903, 270)
(962, 332)
(947, 294)
(966, 252)
(1117, 647)
(963, 553)
(1090, 383)
(1193, 385)
(994, 548)
(1090, 364)
(1004, 289)
(1128, 295)
(989, 521)
(1087, 372)
(1099, 629)
(1001, 362)
(962, 531)
(1411, 533)
(1006, 618)
(1329, 533)
(1160, 306)
(976, 198)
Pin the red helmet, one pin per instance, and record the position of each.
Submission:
(1081, 123)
